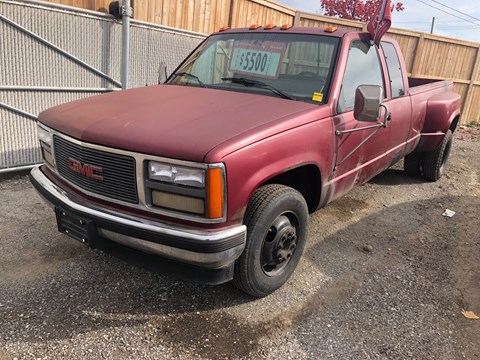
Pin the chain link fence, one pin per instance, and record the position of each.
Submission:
(54, 54)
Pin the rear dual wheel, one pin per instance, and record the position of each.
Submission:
(412, 164)
(430, 164)
(434, 163)
(277, 222)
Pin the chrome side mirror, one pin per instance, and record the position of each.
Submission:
(368, 100)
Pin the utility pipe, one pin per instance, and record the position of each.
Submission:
(126, 15)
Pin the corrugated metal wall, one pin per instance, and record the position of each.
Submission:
(35, 76)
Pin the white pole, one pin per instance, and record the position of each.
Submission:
(126, 15)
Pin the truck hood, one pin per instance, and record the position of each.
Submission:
(168, 120)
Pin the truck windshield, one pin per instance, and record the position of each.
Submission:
(290, 66)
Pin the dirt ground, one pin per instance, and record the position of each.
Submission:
(384, 276)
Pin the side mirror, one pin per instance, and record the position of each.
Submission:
(368, 99)
(162, 73)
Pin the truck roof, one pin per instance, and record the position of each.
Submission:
(329, 31)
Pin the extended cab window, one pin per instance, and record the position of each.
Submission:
(394, 69)
(291, 66)
(363, 68)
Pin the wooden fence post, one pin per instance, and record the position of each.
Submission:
(296, 19)
(469, 96)
(230, 13)
(418, 59)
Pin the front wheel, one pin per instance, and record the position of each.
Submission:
(277, 222)
(434, 161)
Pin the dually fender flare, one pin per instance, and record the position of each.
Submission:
(441, 112)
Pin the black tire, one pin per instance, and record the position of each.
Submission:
(277, 225)
(435, 161)
(412, 164)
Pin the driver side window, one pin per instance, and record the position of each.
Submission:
(363, 68)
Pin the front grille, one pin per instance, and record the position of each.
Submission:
(118, 171)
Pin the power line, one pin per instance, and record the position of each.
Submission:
(446, 12)
(457, 29)
(458, 11)
(429, 21)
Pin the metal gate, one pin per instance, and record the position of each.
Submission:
(51, 54)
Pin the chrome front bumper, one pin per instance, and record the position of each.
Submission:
(207, 249)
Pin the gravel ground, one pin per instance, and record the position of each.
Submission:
(384, 276)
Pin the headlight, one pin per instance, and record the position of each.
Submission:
(45, 136)
(46, 143)
(199, 191)
(176, 174)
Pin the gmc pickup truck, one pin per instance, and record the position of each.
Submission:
(219, 167)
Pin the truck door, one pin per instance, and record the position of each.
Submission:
(397, 100)
(360, 154)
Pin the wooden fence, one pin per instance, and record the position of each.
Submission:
(427, 56)
(204, 16)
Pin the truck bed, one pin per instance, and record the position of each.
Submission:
(433, 106)
(418, 85)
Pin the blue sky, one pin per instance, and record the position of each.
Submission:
(418, 16)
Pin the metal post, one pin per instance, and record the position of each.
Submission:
(126, 15)
(433, 24)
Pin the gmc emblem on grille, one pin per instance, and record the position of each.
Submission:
(87, 170)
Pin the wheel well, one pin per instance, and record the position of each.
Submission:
(454, 124)
(306, 180)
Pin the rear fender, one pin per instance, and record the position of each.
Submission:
(442, 109)
(443, 112)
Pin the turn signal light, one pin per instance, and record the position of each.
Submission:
(215, 193)
(270, 26)
(254, 27)
(330, 29)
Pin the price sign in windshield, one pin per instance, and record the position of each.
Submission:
(263, 60)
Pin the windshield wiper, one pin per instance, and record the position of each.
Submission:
(260, 84)
(191, 76)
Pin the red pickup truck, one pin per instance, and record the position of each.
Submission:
(219, 168)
